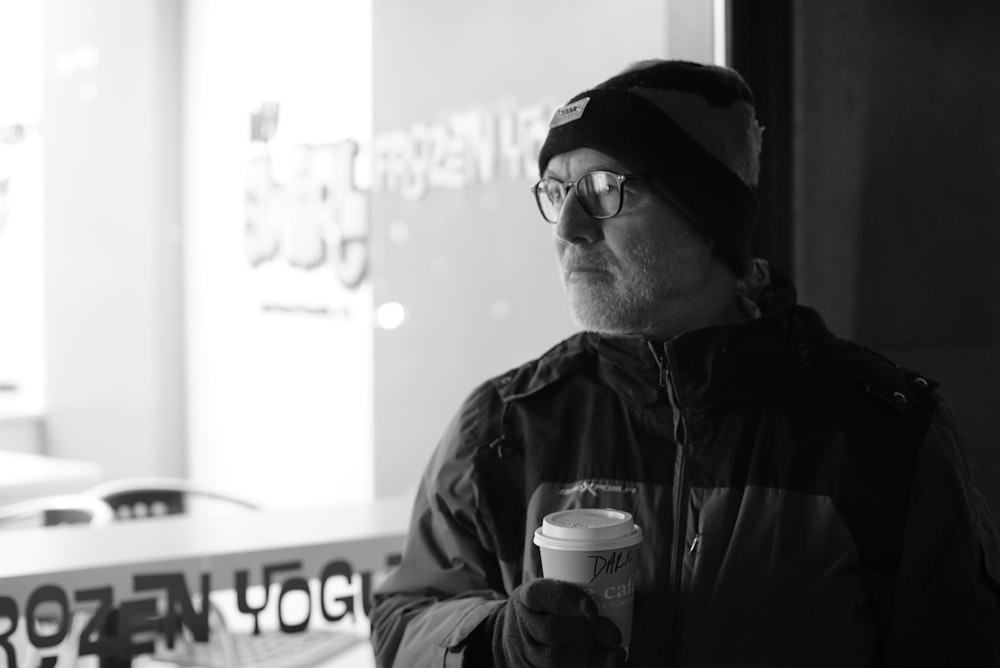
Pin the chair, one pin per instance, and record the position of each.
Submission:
(55, 510)
(135, 499)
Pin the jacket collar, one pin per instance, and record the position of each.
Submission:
(707, 366)
(717, 364)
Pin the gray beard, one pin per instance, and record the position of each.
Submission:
(641, 303)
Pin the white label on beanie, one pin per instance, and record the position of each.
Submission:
(570, 112)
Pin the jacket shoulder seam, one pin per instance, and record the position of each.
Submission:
(542, 371)
(899, 387)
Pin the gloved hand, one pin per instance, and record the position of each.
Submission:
(549, 623)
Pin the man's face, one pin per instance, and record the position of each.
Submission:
(632, 273)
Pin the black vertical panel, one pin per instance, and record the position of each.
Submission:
(890, 110)
(760, 48)
(931, 205)
(929, 208)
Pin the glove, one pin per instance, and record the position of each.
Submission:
(549, 623)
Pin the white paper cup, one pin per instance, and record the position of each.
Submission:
(594, 548)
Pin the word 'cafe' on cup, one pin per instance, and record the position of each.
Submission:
(593, 547)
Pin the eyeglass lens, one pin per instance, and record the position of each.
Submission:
(599, 194)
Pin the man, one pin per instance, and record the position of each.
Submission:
(805, 501)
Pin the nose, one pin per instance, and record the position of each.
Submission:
(575, 225)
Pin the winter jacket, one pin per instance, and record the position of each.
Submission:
(805, 502)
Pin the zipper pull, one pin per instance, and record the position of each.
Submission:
(661, 362)
(499, 449)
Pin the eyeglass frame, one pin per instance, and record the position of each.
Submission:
(619, 178)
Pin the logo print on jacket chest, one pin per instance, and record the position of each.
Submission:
(591, 487)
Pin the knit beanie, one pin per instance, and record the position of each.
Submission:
(688, 126)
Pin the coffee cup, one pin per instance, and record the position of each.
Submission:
(595, 548)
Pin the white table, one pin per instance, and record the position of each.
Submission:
(338, 550)
(25, 475)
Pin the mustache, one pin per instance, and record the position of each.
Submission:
(578, 258)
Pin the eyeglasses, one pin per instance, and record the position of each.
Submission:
(600, 193)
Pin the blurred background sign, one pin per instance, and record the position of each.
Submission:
(279, 315)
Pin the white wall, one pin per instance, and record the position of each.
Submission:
(112, 214)
(279, 355)
(168, 351)
(21, 291)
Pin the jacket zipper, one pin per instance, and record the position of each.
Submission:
(681, 492)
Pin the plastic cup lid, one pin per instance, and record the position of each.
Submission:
(594, 526)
